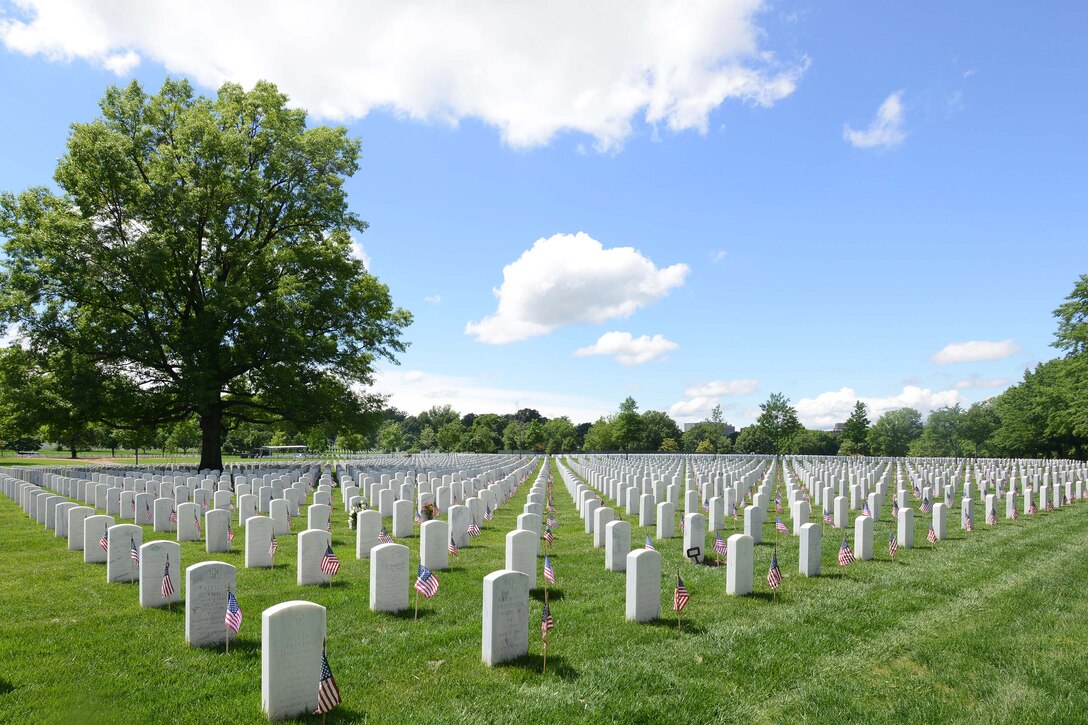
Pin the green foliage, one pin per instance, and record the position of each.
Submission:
(893, 433)
(437, 416)
(1072, 334)
(778, 420)
(449, 436)
(599, 437)
(197, 254)
(850, 448)
(856, 428)
(705, 446)
(627, 426)
(669, 445)
(755, 439)
(534, 435)
(813, 443)
(183, 436)
(978, 424)
(656, 427)
(707, 432)
(426, 438)
(560, 435)
(391, 437)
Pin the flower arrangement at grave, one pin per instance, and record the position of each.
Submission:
(428, 512)
(353, 515)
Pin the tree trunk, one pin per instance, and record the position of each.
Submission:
(211, 439)
(73, 448)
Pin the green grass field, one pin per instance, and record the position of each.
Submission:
(984, 627)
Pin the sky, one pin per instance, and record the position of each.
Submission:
(690, 203)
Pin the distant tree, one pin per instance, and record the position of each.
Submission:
(856, 428)
(468, 419)
(716, 416)
(437, 416)
(850, 448)
(1072, 333)
(391, 438)
(512, 436)
(627, 428)
(656, 427)
(705, 431)
(580, 432)
(528, 415)
(705, 446)
(669, 445)
(778, 420)
(813, 443)
(940, 434)
(183, 435)
(534, 435)
(979, 423)
(354, 441)
(893, 433)
(599, 437)
(560, 435)
(427, 438)
(755, 439)
(449, 436)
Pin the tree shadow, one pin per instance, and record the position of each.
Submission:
(664, 622)
(410, 613)
(5, 687)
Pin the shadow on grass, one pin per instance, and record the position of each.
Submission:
(410, 613)
(5, 687)
(554, 595)
(534, 664)
(664, 622)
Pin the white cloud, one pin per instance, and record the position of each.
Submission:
(629, 350)
(718, 388)
(827, 409)
(433, 299)
(718, 256)
(885, 131)
(11, 335)
(359, 253)
(975, 351)
(414, 391)
(700, 400)
(531, 70)
(567, 279)
(981, 383)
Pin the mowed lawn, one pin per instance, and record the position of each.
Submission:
(987, 626)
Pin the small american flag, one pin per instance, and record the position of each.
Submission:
(1049, 505)
(681, 524)
(426, 582)
(1032, 509)
(893, 545)
(734, 512)
(132, 506)
(846, 556)
(780, 527)
(827, 518)
(167, 586)
(328, 694)
(417, 518)
(1015, 513)
(865, 509)
(546, 623)
(234, 613)
(329, 563)
(679, 595)
(991, 518)
(549, 572)
(384, 537)
(553, 522)
(650, 544)
(970, 524)
(147, 512)
(453, 548)
(230, 532)
(204, 505)
(932, 536)
(719, 545)
(104, 542)
(133, 552)
(774, 574)
(926, 505)
(548, 535)
(895, 509)
(488, 514)
(328, 525)
(272, 546)
(473, 529)
(173, 516)
(196, 522)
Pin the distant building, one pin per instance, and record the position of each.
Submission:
(839, 427)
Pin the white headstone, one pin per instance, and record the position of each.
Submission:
(206, 587)
(153, 558)
(434, 552)
(505, 616)
(312, 545)
(389, 578)
(643, 585)
(617, 538)
(811, 549)
(521, 550)
(258, 540)
(292, 637)
(120, 566)
(739, 568)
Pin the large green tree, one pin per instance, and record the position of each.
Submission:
(778, 420)
(894, 431)
(627, 428)
(198, 252)
(656, 427)
(856, 428)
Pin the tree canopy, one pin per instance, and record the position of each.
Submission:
(198, 256)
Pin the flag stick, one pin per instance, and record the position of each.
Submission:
(678, 611)
(417, 606)
(227, 638)
(545, 670)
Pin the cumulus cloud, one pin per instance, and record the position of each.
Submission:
(981, 383)
(359, 253)
(975, 351)
(718, 388)
(827, 409)
(414, 391)
(629, 350)
(886, 129)
(718, 256)
(572, 278)
(433, 299)
(700, 400)
(531, 70)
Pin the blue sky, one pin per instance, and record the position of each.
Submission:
(721, 200)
